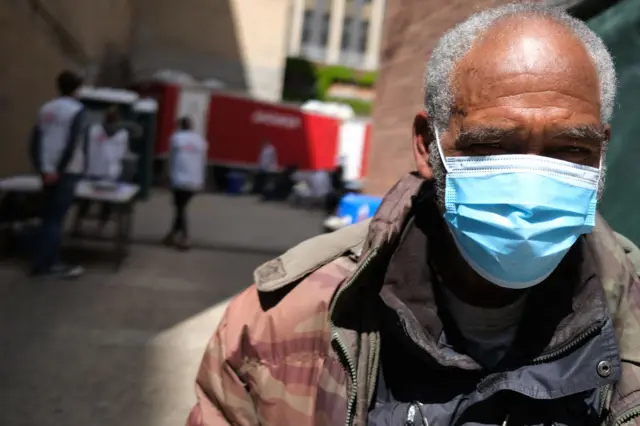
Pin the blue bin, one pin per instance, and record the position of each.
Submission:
(355, 208)
(235, 183)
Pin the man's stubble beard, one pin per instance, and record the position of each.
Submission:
(439, 173)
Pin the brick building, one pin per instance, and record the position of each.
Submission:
(411, 29)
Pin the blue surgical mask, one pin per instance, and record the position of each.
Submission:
(514, 217)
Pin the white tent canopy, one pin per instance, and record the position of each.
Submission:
(333, 109)
(182, 78)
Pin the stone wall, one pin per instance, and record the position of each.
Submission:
(92, 36)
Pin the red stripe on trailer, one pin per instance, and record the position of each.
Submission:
(167, 118)
(322, 140)
(167, 97)
(237, 127)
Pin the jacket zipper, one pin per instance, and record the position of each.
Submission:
(352, 374)
(604, 391)
(588, 333)
(343, 348)
(582, 337)
(627, 416)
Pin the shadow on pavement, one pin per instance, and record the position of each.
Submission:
(122, 347)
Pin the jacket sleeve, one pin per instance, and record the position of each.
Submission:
(222, 397)
(35, 149)
(76, 136)
(632, 251)
(86, 140)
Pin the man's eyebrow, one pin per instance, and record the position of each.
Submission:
(483, 135)
(584, 133)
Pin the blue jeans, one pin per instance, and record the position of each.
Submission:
(58, 198)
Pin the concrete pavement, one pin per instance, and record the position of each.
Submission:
(123, 347)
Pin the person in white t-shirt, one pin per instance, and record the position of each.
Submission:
(106, 145)
(187, 163)
(267, 167)
(312, 189)
(56, 155)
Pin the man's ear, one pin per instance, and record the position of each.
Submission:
(422, 137)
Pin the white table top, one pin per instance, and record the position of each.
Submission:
(123, 193)
(24, 183)
(334, 222)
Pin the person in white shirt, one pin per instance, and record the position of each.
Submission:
(268, 160)
(106, 145)
(56, 155)
(267, 166)
(187, 163)
(312, 189)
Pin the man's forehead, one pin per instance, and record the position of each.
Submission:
(529, 46)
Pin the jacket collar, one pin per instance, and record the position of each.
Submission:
(585, 304)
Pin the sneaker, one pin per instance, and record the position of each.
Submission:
(68, 271)
(183, 244)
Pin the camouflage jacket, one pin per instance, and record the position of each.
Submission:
(289, 350)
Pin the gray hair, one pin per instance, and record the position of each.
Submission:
(456, 43)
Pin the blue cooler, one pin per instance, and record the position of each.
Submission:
(235, 183)
(354, 208)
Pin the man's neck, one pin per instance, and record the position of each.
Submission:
(474, 290)
(487, 332)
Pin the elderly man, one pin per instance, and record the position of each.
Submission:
(486, 290)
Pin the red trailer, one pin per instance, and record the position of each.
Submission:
(236, 125)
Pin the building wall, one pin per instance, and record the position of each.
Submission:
(33, 52)
(240, 42)
(263, 31)
(411, 29)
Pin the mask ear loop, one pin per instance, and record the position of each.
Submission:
(603, 153)
(601, 166)
(442, 157)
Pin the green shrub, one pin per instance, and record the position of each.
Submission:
(299, 80)
(360, 107)
(305, 80)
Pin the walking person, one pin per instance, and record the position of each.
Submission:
(56, 154)
(106, 145)
(187, 162)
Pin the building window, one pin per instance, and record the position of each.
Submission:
(346, 33)
(364, 33)
(307, 26)
(324, 31)
(348, 29)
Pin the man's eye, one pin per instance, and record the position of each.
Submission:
(574, 150)
(487, 146)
